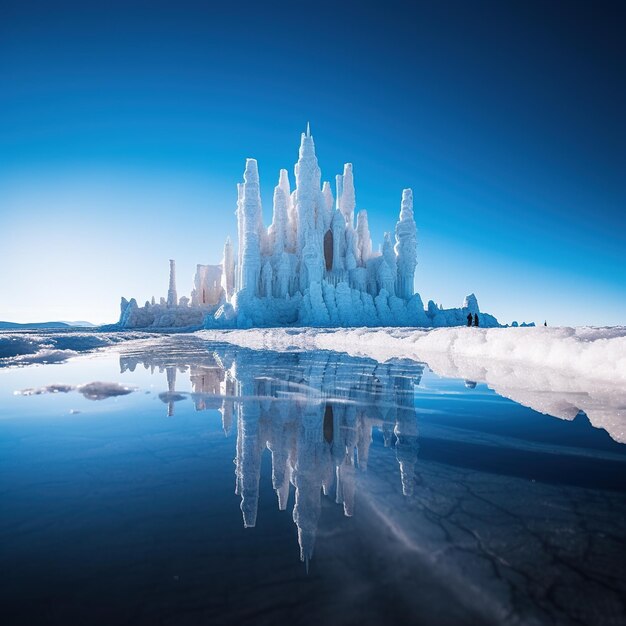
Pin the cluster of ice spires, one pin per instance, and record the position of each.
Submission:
(313, 266)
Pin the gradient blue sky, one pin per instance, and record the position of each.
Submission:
(124, 128)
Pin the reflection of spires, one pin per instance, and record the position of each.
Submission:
(406, 443)
(314, 412)
(365, 441)
(388, 425)
(227, 391)
(282, 491)
(346, 486)
(278, 444)
(206, 386)
(308, 506)
(249, 450)
(170, 373)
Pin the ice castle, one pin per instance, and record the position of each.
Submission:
(315, 265)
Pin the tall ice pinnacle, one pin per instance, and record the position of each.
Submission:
(348, 198)
(251, 212)
(406, 246)
(228, 269)
(278, 229)
(338, 190)
(363, 239)
(307, 199)
(283, 183)
(329, 204)
(239, 214)
(172, 296)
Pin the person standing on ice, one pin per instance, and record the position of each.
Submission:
(476, 319)
(545, 323)
(469, 319)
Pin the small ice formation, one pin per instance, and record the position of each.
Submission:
(101, 390)
(38, 391)
(315, 265)
(96, 390)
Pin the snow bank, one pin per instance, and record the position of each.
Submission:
(592, 353)
(27, 348)
(557, 371)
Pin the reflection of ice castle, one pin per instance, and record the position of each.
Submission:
(315, 412)
(313, 266)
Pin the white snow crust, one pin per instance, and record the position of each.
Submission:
(28, 348)
(556, 371)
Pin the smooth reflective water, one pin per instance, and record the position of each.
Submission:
(209, 484)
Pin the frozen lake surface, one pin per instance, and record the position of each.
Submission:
(177, 479)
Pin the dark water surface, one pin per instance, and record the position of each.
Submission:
(218, 485)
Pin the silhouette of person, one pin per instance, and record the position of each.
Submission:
(469, 319)
(545, 323)
(476, 319)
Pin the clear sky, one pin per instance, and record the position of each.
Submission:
(124, 128)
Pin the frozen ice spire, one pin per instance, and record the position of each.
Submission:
(386, 278)
(291, 227)
(338, 226)
(363, 239)
(329, 202)
(387, 270)
(406, 246)
(328, 195)
(266, 280)
(172, 297)
(471, 303)
(283, 183)
(228, 269)
(338, 190)
(307, 199)
(278, 229)
(239, 214)
(251, 209)
(348, 198)
(406, 206)
(307, 146)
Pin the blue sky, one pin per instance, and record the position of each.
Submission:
(124, 129)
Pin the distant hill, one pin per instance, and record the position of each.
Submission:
(16, 326)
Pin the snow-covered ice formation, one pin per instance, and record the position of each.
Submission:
(97, 390)
(313, 266)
